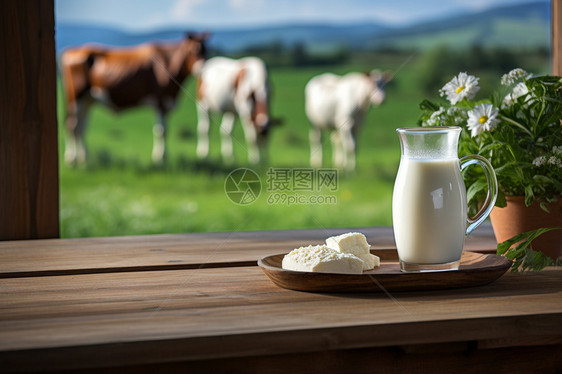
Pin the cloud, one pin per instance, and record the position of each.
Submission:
(246, 5)
(149, 14)
(183, 10)
(484, 4)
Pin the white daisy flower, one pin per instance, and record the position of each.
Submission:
(482, 118)
(519, 90)
(539, 161)
(460, 87)
(557, 150)
(513, 76)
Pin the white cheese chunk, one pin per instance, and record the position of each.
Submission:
(356, 244)
(370, 261)
(351, 242)
(322, 259)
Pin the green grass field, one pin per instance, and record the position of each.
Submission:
(119, 192)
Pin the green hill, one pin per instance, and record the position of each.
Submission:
(519, 26)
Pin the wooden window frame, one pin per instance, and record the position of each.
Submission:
(29, 178)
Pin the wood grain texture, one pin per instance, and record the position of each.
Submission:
(69, 322)
(179, 251)
(29, 192)
(476, 269)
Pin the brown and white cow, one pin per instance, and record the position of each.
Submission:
(231, 88)
(121, 78)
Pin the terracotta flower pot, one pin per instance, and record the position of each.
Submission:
(516, 218)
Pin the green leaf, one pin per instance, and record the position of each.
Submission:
(504, 246)
(428, 105)
(508, 135)
(529, 194)
(557, 184)
(500, 201)
(523, 257)
(475, 188)
(542, 179)
(505, 167)
(491, 147)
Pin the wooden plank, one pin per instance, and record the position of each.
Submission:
(68, 322)
(556, 27)
(545, 359)
(29, 192)
(188, 251)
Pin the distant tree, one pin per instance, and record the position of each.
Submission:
(277, 49)
(299, 55)
(440, 64)
(436, 67)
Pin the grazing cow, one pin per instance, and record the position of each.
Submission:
(122, 78)
(338, 104)
(233, 88)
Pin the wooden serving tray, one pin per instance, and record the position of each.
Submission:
(476, 269)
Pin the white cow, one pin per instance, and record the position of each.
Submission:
(338, 104)
(233, 88)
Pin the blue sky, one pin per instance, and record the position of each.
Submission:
(143, 15)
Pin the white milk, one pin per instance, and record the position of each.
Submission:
(429, 211)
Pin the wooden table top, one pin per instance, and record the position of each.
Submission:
(179, 251)
(200, 300)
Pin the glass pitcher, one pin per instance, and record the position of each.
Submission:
(429, 207)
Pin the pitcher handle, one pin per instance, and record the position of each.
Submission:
(492, 195)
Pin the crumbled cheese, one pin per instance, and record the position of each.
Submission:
(322, 259)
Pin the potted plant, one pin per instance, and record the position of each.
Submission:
(519, 130)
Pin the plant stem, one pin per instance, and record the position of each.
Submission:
(517, 124)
